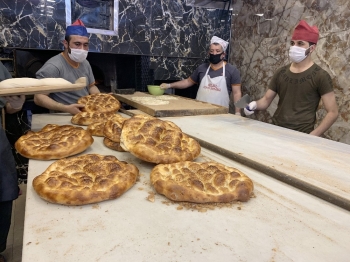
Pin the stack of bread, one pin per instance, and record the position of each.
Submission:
(101, 119)
(92, 178)
(176, 175)
(84, 179)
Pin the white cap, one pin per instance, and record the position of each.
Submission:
(219, 41)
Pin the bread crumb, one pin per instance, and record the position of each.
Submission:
(151, 197)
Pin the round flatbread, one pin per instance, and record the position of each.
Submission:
(96, 129)
(113, 127)
(99, 103)
(112, 145)
(87, 118)
(157, 141)
(54, 142)
(209, 182)
(85, 180)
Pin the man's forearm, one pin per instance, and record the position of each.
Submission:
(182, 84)
(262, 104)
(49, 103)
(326, 123)
(94, 90)
(236, 97)
(11, 110)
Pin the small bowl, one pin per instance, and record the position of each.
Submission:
(155, 90)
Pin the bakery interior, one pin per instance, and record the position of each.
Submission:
(301, 205)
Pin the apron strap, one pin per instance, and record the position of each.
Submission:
(223, 67)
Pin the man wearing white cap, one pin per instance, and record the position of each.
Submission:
(71, 64)
(218, 81)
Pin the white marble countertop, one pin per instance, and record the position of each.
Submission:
(315, 161)
(281, 223)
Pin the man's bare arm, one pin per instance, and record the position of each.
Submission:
(182, 84)
(332, 113)
(93, 90)
(44, 100)
(236, 95)
(266, 100)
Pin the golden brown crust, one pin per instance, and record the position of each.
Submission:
(157, 141)
(85, 179)
(96, 129)
(113, 127)
(54, 142)
(99, 103)
(209, 182)
(112, 145)
(87, 118)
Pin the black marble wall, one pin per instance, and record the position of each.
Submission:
(173, 35)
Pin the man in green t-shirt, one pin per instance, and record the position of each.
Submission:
(300, 87)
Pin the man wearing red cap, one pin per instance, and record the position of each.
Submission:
(300, 87)
(71, 64)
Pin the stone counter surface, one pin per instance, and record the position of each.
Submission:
(281, 223)
(315, 161)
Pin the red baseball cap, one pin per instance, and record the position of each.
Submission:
(303, 31)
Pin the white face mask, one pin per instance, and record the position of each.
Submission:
(298, 54)
(77, 55)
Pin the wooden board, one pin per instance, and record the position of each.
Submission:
(79, 84)
(182, 106)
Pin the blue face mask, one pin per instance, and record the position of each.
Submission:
(214, 59)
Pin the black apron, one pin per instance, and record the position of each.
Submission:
(8, 173)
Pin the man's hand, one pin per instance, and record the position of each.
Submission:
(16, 102)
(249, 109)
(164, 86)
(73, 108)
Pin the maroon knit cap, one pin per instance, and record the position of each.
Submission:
(305, 32)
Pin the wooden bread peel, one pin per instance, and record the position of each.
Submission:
(80, 83)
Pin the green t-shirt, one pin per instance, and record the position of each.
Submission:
(299, 96)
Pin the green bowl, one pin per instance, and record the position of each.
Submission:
(155, 90)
